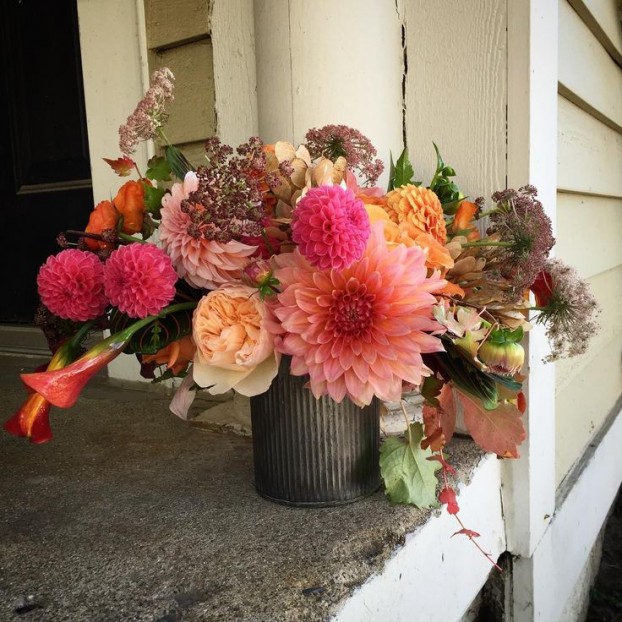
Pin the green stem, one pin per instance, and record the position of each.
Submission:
(488, 213)
(76, 340)
(485, 243)
(130, 238)
(164, 137)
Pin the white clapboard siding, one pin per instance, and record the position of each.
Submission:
(589, 232)
(448, 101)
(603, 18)
(309, 59)
(607, 288)
(588, 388)
(589, 153)
(586, 70)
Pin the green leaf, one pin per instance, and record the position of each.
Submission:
(153, 199)
(158, 169)
(430, 390)
(404, 171)
(409, 477)
(177, 161)
(391, 185)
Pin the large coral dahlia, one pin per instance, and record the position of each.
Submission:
(361, 331)
(202, 263)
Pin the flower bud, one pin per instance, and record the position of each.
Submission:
(257, 274)
(505, 359)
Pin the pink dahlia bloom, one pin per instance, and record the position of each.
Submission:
(202, 263)
(359, 332)
(71, 285)
(139, 279)
(330, 227)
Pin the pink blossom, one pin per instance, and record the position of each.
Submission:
(202, 263)
(139, 279)
(71, 285)
(330, 227)
(359, 332)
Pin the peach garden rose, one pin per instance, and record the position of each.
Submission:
(234, 349)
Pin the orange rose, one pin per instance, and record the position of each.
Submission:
(103, 217)
(130, 201)
(419, 207)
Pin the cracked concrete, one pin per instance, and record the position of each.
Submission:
(132, 514)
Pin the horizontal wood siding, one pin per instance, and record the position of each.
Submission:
(589, 214)
(179, 37)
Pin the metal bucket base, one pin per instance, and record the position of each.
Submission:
(316, 504)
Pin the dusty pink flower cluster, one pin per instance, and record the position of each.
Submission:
(150, 113)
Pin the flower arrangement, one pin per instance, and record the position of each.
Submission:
(274, 250)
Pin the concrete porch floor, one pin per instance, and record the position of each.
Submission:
(132, 514)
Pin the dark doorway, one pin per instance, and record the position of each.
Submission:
(45, 177)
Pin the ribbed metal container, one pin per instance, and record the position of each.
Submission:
(312, 452)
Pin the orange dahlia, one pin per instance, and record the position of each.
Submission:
(419, 207)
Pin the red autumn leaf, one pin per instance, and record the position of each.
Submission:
(466, 532)
(121, 166)
(436, 440)
(431, 419)
(448, 496)
(444, 464)
(499, 431)
(448, 411)
(521, 403)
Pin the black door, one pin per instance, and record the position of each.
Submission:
(45, 178)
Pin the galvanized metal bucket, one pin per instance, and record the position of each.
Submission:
(311, 452)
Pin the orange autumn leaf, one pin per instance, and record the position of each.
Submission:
(121, 166)
(102, 218)
(499, 430)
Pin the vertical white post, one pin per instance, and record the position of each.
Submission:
(114, 67)
(328, 62)
(529, 484)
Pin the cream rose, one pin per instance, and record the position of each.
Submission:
(234, 349)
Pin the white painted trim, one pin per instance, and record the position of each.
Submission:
(529, 483)
(434, 576)
(544, 583)
(235, 75)
(114, 57)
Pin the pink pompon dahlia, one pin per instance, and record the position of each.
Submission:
(359, 332)
(202, 263)
(71, 285)
(139, 279)
(330, 227)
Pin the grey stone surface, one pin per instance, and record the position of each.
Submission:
(131, 514)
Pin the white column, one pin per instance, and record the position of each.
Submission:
(325, 62)
(529, 484)
(114, 67)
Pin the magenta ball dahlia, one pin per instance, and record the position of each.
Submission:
(71, 285)
(139, 279)
(330, 227)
